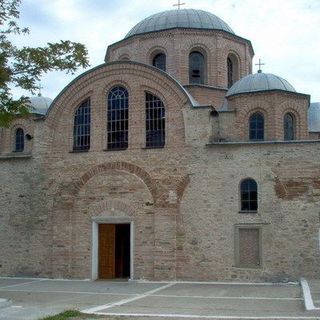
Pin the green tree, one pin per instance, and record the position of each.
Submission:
(23, 67)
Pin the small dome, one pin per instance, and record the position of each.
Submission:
(183, 18)
(260, 82)
(314, 117)
(40, 105)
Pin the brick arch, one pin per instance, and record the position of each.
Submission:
(236, 60)
(112, 205)
(121, 166)
(153, 51)
(297, 119)
(242, 120)
(116, 69)
(98, 79)
(63, 205)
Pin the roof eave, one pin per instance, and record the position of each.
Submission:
(265, 91)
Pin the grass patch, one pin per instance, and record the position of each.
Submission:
(64, 315)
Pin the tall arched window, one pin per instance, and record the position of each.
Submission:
(233, 72)
(19, 140)
(155, 122)
(230, 72)
(196, 67)
(289, 126)
(256, 126)
(249, 195)
(117, 122)
(159, 61)
(81, 127)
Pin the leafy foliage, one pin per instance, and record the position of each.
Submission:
(64, 315)
(23, 67)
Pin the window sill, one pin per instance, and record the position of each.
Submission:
(248, 211)
(78, 151)
(259, 142)
(15, 155)
(115, 149)
(147, 148)
(257, 267)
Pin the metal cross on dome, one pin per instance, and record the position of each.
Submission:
(259, 64)
(179, 4)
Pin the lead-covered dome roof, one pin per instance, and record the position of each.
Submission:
(183, 18)
(260, 82)
(39, 104)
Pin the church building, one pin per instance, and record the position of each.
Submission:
(170, 161)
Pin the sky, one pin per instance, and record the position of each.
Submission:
(284, 33)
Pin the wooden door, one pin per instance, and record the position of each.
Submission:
(107, 245)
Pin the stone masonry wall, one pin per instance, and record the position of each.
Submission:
(183, 198)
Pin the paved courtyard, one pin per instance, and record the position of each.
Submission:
(34, 298)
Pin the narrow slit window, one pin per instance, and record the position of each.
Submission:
(117, 122)
(155, 122)
(196, 67)
(230, 72)
(81, 128)
(19, 140)
(289, 126)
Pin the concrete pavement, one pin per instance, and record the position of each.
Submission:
(34, 298)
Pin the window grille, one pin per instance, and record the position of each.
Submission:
(159, 61)
(196, 68)
(256, 126)
(249, 195)
(289, 126)
(155, 122)
(230, 72)
(117, 122)
(81, 128)
(19, 140)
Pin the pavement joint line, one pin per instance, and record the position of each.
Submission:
(224, 283)
(20, 284)
(193, 316)
(77, 292)
(307, 297)
(122, 302)
(223, 297)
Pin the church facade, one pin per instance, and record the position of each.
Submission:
(169, 161)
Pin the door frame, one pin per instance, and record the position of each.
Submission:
(95, 242)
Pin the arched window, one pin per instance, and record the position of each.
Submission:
(256, 126)
(155, 122)
(289, 126)
(19, 140)
(81, 127)
(233, 74)
(196, 67)
(230, 72)
(249, 195)
(159, 61)
(117, 122)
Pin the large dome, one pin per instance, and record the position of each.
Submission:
(260, 82)
(183, 18)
